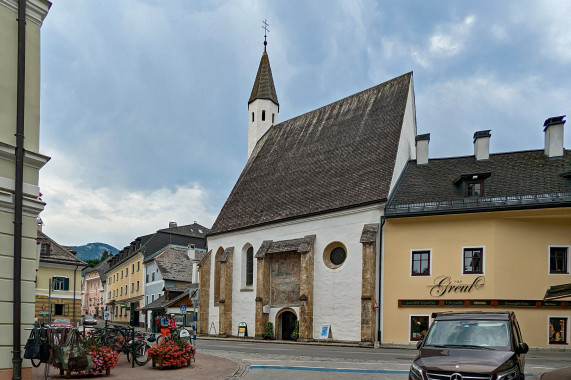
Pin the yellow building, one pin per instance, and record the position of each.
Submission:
(489, 232)
(58, 282)
(125, 289)
(10, 121)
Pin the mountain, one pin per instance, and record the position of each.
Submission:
(93, 251)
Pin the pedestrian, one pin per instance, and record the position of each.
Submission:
(172, 323)
(164, 326)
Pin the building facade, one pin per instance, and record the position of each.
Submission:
(125, 278)
(489, 232)
(93, 296)
(296, 242)
(36, 11)
(58, 282)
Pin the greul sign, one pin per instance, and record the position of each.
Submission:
(444, 285)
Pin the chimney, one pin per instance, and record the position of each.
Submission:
(191, 252)
(554, 136)
(482, 145)
(422, 148)
(172, 224)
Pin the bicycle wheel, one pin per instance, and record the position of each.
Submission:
(114, 339)
(161, 339)
(141, 357)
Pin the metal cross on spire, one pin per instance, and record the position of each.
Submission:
(266, 30)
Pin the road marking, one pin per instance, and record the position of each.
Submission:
(323, 369)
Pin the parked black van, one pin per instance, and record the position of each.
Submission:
(471, 346)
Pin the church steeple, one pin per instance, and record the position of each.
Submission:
(263, 105)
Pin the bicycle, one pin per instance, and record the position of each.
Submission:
(139, 351)
(109, 337)
(178, 333)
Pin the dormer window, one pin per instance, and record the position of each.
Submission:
(45, 249)
(472, 185)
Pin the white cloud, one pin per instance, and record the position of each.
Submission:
(448, 40)
(77, 214)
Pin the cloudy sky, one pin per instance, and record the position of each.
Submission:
(144, 103)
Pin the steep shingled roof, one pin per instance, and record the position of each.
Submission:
(264, 83)
(174, 264)
(513, 174)
(57, 254)
(336, 157)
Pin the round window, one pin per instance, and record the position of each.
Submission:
(337, 256)
(334, 255)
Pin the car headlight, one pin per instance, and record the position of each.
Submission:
(416, 371)
(510, 374)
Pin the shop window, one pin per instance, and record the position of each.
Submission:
(59, 309)
(60, 283)
(420, 263)
(334, 255)
(558, 330)
(418, 326)
(473, 260)
(558, 260)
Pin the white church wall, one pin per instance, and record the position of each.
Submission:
(407, 148)
(258, 127)
(337, 293)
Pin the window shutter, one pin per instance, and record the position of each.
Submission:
(66, 283)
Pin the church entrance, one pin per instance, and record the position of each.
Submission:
(286, 326)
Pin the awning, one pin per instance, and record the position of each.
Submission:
(558, 291)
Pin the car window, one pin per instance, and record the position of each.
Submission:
(472, 333)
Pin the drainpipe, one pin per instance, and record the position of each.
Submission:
(380, 268)
(18, 193)
(74, 281)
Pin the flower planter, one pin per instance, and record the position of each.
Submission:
(158, 361)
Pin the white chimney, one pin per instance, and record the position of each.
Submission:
(195, 278)
(482, 145)
(172, 224)
(554, 136)
(191, 252)
(422, 148)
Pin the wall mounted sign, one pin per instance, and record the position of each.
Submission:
(488, 303)
(444, 285)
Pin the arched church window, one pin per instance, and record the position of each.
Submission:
(334, 255)
(250, 266)
(217, 276)
(263, 115)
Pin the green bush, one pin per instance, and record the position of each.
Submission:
(268, 331)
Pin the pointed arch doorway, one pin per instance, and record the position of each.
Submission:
(285, 323)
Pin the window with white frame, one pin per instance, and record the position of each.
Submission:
(559, 260)
(473, 260)
(420, 263)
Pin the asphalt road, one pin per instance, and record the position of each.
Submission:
(286, 361)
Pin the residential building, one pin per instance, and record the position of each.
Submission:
(298, 237)
(124, 283)
(13, 99)
(93, 291)
(486, 232)
(58, 283)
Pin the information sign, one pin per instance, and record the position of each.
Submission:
(183, 308)
(242, 330)
(325, 332)
(107, 315)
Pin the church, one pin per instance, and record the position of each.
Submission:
(297, 242)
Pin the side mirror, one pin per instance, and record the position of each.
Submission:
(419, 344)
(522, 348)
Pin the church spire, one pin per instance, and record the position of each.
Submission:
(263, 105)
(264, 83)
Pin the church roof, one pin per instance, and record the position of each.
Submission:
(336, 157)
(264, 83)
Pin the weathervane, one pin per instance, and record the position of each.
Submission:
(266, 30)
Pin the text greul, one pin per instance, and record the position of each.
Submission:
(444, 285)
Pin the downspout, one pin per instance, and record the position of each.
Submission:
(74, 281)
(380, 269)
(18, 193)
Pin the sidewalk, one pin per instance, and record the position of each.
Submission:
(206, 367)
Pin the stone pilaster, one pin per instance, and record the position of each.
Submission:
(204, 285)
(306, 295)
(225, 303)
(262, 295)
(369, 268)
